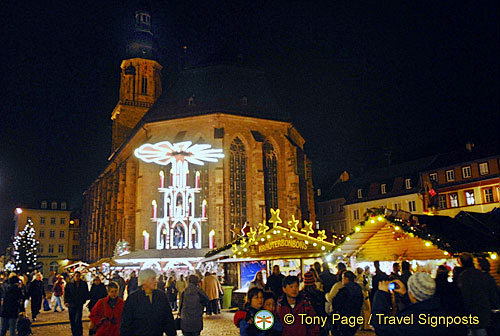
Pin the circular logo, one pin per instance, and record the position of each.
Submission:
(263, 320)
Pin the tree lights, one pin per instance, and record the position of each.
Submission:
(25, 247)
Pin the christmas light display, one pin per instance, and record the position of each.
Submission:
(25, 249)
(179, 226)
(122, 247)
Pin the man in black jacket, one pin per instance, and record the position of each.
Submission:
(147, 311)
(76, 294)
(275, 282)
(348, 303)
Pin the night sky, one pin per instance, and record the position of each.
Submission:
(410, 78)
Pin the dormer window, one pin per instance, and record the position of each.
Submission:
(44, 205)
(383, 189)
(63, 205)
(360, 193)
(244, 101)
(191, 101)
(408, 183)
(53, 205)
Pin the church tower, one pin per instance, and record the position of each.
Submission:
(140, 79)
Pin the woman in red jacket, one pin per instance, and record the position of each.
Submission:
(107, 312)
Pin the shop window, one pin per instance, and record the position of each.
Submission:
(442, 202)
(483, 168)
(488, 195)
(450, 175)
(454, 200)
(469, 197)
(466, 173)
(270, 177)
(237, 177)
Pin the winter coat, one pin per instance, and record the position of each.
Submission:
(141, 317)
(302, 306)
(97, 292)
(132, 285)
(59, 288)
(192, 302)
(317, 299)
(110, 326)
(12, 298)
(382, 305)
(243, 319)
(36, 291)
(480, 295)
(212, 287)
(328, 280)
(76, 295)
(275, 284)
(348, 302)
(172, 292)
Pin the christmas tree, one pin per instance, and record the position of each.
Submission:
(25, 247)
(122, 247)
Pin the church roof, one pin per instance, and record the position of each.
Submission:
(220, 88)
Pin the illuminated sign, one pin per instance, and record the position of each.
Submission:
(179, 226)
(290, 243)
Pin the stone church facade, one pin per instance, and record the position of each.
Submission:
(226, 106)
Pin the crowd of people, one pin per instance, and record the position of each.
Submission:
(459, 301)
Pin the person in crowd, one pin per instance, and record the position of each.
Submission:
(365, 288)
(192, 300)
(76, 294)
(395, 272)
(171, 290)
(147, 311)
(36, 291)
(212, 287)
(405, 272)
(327, 278)
(341, 268)
(368, 276)
(316, 297)
(316, 270)
(132, 285)
(421, 289)
(51, 280)
(161, 283)
(292, 302)
(258, 281)
(11, 305)
(97, 292)
(106, 314)
(119, 280)
(244, 318)
(479, 293)
(59, 292)
(270, 305)
(379, 276)
(348, 303)
(180, 284)
(335, 289)
(275, 282)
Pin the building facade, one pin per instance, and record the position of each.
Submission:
(196, 161)
(51, 221)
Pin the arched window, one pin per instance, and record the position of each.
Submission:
(54, 267)
(238, 186)
(270, 177)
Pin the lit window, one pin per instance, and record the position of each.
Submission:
(51, 248)
(63, 221)
(42, 220)
(355, 214)
(408, 183)
(442, 202)
(488, 195)
(144, 87)
(61, 234)
(63, 205)
(44, 205)
(360, 193)
(450, 175)
(433, 177)
(469, 197)
(454, 200)
(53, 205)
(41, 233)
(483, 168)
(466, 173)
(382, 189)
(61, 248)
(52, 233)
(52, 220)
(412, 206)
(54, 266)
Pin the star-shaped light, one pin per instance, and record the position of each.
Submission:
(275, 217)
(263, 227)
(234, 248)
(251, 235)
(243, 243)
(321, 235)
(164, 153)
(307, 228)
(293, 224)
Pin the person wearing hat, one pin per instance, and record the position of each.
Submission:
(421, 289)
(315, 296)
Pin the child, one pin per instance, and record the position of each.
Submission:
(243, 318)
(294, 303)
(270, 304)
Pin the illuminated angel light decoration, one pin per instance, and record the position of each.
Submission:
(179, 227)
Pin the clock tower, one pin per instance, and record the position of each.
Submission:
(140, 79)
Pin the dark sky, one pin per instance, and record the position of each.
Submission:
(409, 77)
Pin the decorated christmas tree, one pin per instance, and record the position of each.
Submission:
(122, 247)
(25, 249)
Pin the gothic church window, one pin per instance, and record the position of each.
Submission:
(238, 189)
(270, 177)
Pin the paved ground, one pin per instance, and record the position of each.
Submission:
(46, 325)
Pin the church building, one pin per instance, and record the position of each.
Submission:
(194, 161)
